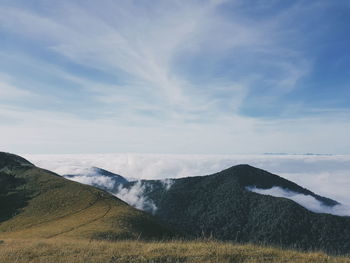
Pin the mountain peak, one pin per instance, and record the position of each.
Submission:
(10, 160)
(250, 176)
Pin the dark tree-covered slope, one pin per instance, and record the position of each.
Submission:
(219, 205)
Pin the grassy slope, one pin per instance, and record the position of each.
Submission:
(49, 206)
(65, 250)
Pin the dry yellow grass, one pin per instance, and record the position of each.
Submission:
(75, 251)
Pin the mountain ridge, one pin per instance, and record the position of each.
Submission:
(36, 203)
(271, 180)
(220, 206)
(98, 177)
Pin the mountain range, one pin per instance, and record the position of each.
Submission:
(38, 203)
(222, 206)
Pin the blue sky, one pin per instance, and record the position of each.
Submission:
(174, 76)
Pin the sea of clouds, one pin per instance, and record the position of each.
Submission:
(326, 175)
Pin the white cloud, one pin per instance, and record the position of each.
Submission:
(307, 201)
(124, 39)
(116, 45)
(104, 181)
(167, 183)
(9, 91)
(156, 108)
(134, 196)
(89, 176)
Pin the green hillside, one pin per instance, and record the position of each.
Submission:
(219, 206)
(36, 203)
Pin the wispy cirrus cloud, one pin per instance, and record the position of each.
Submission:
(145, 54)
(222, 75)
(8, 91)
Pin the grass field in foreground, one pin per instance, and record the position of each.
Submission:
(74, 251)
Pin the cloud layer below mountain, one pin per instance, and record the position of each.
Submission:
(326, 175)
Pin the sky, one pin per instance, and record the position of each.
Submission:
(184, 77)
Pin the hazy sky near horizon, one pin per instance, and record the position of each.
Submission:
(194, 76)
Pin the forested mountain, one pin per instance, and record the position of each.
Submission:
(220, 206)
(38, 203)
